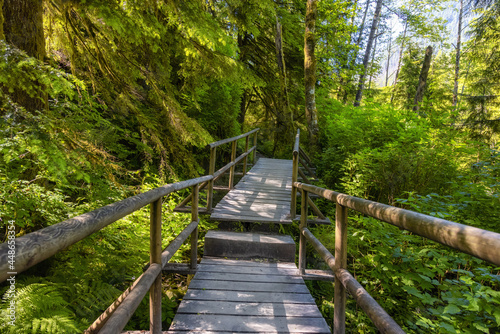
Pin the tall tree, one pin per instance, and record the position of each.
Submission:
(366, 58)
(362, 26)
(401, 49)
(372, 62)
(1, 21)
(310, 72)
(389, 45)
(23, 28)
(457, 56)
(422, 80)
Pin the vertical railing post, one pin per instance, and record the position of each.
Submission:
(155, 257)
(254, 155)
(231, 170)
(295, 172)
(303, 224)
(340, 263)
(246, 157)
(194, 234)
(211, 171)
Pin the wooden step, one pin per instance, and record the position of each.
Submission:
(249, 245)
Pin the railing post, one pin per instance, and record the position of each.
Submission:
(340, 263)
(194, 234)
(155, 257)
(295, 171)
(303, 224)
(231, 170)
(211, 171)
(245, 158)
(254, 155)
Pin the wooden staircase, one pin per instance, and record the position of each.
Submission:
(248, 283)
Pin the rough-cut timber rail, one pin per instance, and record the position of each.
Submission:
(240, 296)
(262, 195)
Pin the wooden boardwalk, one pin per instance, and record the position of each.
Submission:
(262, 195)
(242, 296)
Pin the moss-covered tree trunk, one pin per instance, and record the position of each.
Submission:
(23, 28)
(283, 136)
(2, 37)
(310, 73)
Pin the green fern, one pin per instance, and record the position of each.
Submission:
(40, 308)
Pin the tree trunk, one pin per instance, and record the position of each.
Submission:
(399, 61)
(372, 61)
(388, 61)
(310, 73)
(457, 57)
(2, 36)
(283, 135)
(366, 58)
(422, 80)
(362, 27)
(23, 28)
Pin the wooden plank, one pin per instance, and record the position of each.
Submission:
(247, 219)
(255, 208)
(238, 324)
(245, 270)
(242, 202)
(249, 296)
(253, 194)
(271, 205)
(249, 196)
(248, 286)
(246, 215)
(247, 263)
(249, 309)
(211, 276)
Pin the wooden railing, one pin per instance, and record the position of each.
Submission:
(296, 172)
(230, 166)
(35, 247)
(467, 239)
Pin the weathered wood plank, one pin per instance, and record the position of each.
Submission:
(253, 206)
(247, 263)
(246, 296)
(245, 270)
(250, 219)
(248, 286)
(237, 324)
(276, 213)
(211, 276)
(249, 309)
(242, 202)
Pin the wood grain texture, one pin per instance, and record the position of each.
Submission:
(243, 296)
(262, 195)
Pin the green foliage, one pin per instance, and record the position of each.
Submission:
(380, 152)
(40, 308)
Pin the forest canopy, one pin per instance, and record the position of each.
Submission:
(399, 101)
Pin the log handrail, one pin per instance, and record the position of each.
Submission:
(229, 140)
(37, 246)
(229, 166)
(467, 239)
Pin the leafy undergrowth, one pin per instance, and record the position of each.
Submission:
(426, 287)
